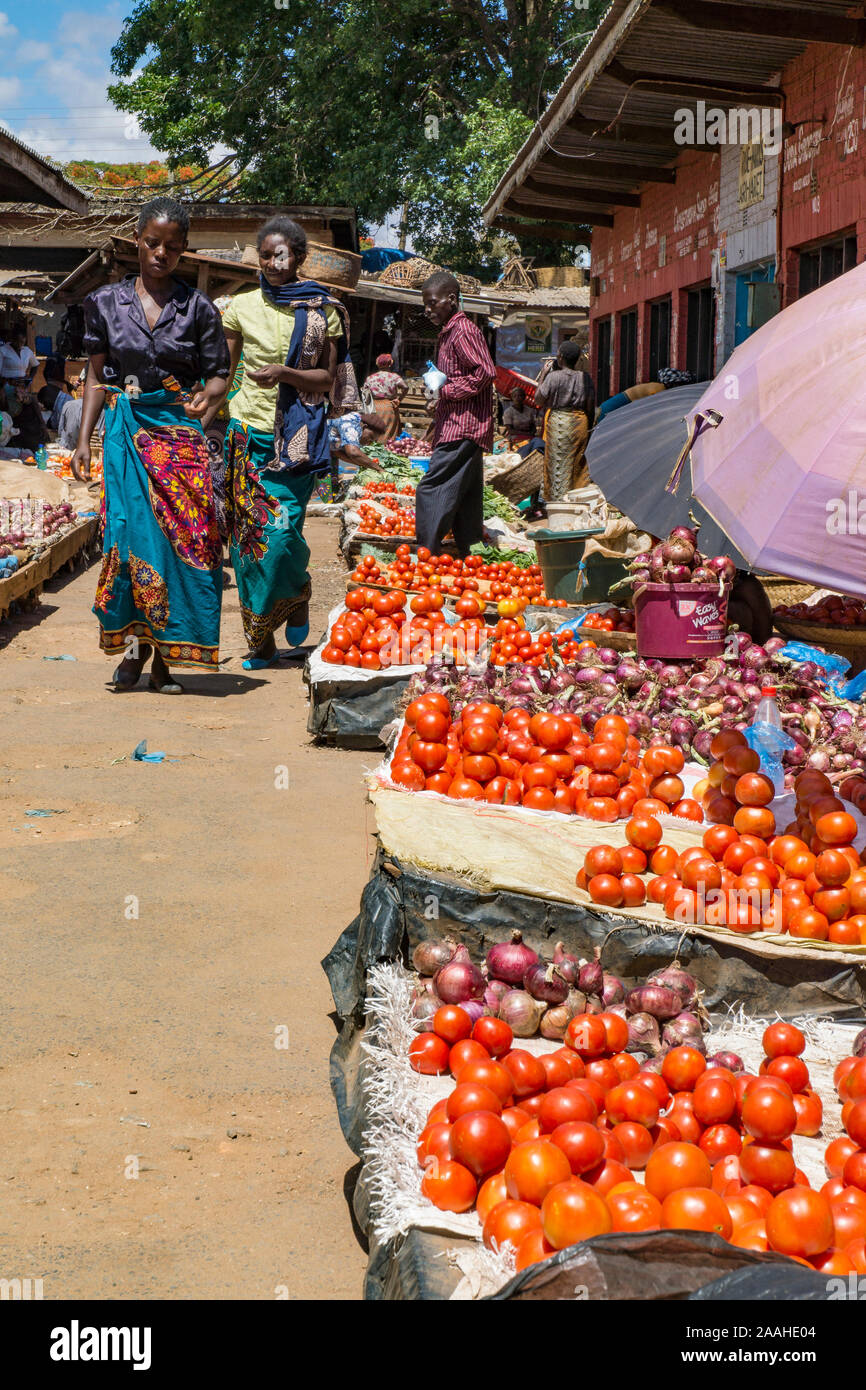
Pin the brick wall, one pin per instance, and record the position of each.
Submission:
(672, 242)
(664, 247)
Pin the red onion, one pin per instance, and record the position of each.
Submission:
(723, 566)
(612, 990)
(677, 574)
(458, 981)
(859, 1047)
(684, 1031)
(567, 965)
(554, 1022)
(425, 1006)
(429, 956)
(591, 977)
(684, 985)
(521, 1012)
(643, 1034)
(679, 551)
(655, 1064)
(575, 1003)
(544, 982)
(474, 1008)
(684, 533)
(494, 994)
(730, 1060)
(656, 1000)
(510, 960)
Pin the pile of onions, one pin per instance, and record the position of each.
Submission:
(678, 561)
(665, 1012)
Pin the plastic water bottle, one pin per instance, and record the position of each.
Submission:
(768, 711)
(41, 457)
(768, 739)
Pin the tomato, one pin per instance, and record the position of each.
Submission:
(452, 1023)
(581, 1142)
(469, 1096)
(674, 1166)
(449, 1186)
(532, 1250)
(854, 1172)
(434, 1140)
(586, 1035)
(768, 1115)
(696, 1209)
(720, 1141)
(528, 1076)
(634, 1209)
(606, 890)
(602, 1071)
(486, 1072)
(429, 1054)
(855, 1123)
(573, 1211)
(849, 1221)
(481, 1142)
(467, 1050)
(510, 1222)
(790, 1069)
(752, 1235)
(713, 1101)
(479, 736)
(514, 1118)
(810, 1114)
(562, 1105)
(636, 1142)
(615, 1032)
(466, 789)
(856, 1252)
(836, 828)
(608, 1174)
(682, 1067)
(855, 1081)
(783, 1040)
(533, 1168)
(643, 832)
(601, 808)
(768, 1165)
(550, 730)
(632, 1100)
(800, 1222)
(625, 1065)
(494, 1035)
(572, 1061)
(591, 1089)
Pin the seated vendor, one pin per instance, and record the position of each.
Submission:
(520, 422)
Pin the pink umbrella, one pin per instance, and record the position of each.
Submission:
(779, 440)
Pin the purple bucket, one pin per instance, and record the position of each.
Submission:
(681, 621)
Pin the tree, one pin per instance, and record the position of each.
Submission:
(402, 103)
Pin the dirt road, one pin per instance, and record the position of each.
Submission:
(160, 941)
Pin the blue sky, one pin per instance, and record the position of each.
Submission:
(54, 69)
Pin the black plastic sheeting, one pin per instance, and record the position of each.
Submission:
(661, 1265)
(351, 714)
(401, 905)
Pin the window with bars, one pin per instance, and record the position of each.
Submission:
(602, 360)
(700, 332)
(627, 350)
(659, 337)
(824, 263)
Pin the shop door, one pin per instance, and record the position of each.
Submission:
(660, 337)
(627, 350)
(700, 333)
(760, 275)
(602, 361)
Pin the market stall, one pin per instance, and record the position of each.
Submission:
(591, 833)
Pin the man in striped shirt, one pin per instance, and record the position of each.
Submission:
(450, 495)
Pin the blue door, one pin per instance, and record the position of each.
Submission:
(761, 274)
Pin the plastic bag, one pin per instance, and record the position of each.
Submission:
(770, 743)
(854, 689)
(833, 666)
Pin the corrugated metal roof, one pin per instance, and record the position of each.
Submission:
(59, 190)
(610, 127)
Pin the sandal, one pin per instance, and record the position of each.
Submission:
(169, 688)
(128, 681)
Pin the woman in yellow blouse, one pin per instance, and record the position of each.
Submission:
(294, 338)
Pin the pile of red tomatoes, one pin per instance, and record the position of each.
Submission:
(454, 576)
(548, 1148)
(400, 521)
(374, 632)
(611, 620)
(546, 762)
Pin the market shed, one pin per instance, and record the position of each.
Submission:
(612, 127)
(26, 177)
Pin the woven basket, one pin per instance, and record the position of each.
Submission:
(847, 642)
(549, 277)
(415, 271)
(781, 590)
(521, 479)
(328, 264)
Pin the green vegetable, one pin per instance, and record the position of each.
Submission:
(497, 505)
(491, 556)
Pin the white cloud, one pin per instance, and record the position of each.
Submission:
(7, 29)
(10, 90)
(32, 52)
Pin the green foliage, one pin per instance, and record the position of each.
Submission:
(114, 180)
(416, 104)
